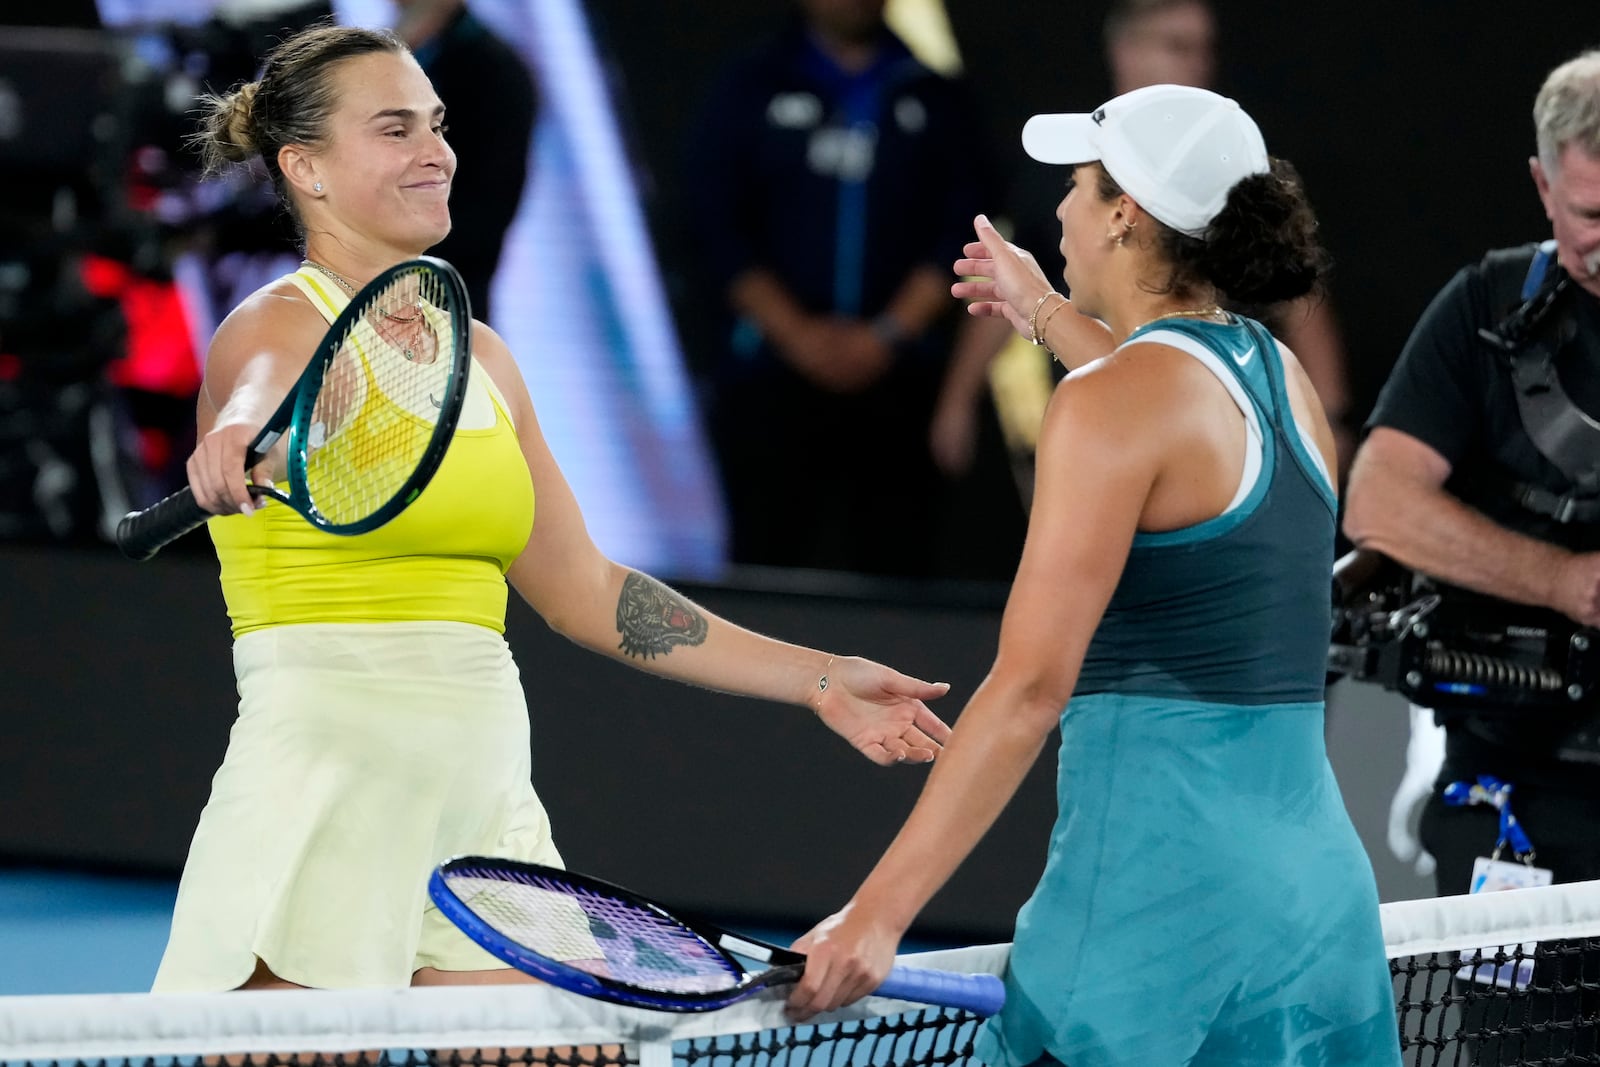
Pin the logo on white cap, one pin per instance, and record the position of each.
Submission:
(1177, 150)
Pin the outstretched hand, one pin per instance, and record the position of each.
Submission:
(881, 711)
(999, 278)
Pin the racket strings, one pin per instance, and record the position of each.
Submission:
(597, 933)
(382, 397)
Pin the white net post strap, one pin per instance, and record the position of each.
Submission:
(1512, 916)
(116, 1026)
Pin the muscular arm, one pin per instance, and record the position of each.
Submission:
(1082, 525)
(617, 611)
(258, 352)
(1098, 460)
(1396, 503)
(631, 617)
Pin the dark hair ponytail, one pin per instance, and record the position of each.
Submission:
(1261, 249)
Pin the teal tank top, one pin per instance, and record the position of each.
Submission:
(1206, 901)
(1235, 609)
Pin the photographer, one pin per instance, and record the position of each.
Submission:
(1482, 470)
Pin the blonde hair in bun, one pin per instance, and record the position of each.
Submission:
(227, 128)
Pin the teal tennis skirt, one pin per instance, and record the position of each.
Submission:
(1206, 900)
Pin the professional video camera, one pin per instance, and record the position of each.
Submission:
(1452, 650)
(63, 465)
(103, 203)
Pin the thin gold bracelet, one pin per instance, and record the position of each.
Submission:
(1044, 327)
(822, 684)
(1033, 317)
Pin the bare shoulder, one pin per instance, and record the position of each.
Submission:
(1118, 402)
(275, 319)
(487, 345)
(494, 355)
(1136, 384)
(269, 337)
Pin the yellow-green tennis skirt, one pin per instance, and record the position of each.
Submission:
(363, 755)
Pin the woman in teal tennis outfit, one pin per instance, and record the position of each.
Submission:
(1206, 900)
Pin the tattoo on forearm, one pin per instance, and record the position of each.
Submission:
(652, 619)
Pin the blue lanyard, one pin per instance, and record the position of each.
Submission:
(1497, 794)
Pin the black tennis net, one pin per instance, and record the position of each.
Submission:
(1510, 978)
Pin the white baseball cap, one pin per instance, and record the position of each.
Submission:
(1175, 149)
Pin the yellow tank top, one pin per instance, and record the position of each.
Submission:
(443, 558)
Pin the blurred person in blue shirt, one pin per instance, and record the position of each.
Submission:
(830, 187)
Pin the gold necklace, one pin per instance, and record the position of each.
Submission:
(392, 317)
(1195, 312)
(405, 350)
(346, 286)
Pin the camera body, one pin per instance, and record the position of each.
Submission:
(1453, 650)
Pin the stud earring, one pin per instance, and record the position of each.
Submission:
(316, 187)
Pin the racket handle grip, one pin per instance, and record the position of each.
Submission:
(141, 534)
(981, 994)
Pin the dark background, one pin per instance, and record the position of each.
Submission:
(116, 697)
(1410, 122)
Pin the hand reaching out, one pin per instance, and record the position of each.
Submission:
(1000, 278)
(881, 711)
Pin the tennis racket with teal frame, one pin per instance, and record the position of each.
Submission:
(370, 418)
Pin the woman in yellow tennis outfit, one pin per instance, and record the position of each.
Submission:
(382, 725)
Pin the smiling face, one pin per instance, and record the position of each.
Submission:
(384, 166)
(1570, 192)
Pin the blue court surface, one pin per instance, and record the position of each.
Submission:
(70, 932)
(65, 932)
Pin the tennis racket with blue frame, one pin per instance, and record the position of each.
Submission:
(599, 940)
(367, 423)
